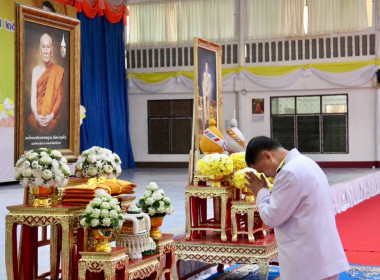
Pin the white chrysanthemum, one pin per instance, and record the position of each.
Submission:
(66, 170)
(79, 166)
(147, 194)
(47, 174)
(157, 195)
(26, 164)
(169, 210)
(152, 211)
(104, 213)
(38, 181)
(56, 154)
(95, 223)
(105, 205)
(35, 164)
(24, 182)
(113, 214)
(88, 209)
(55, 163)
(95, 202)
(152, 186)
(18, 175)
(20, 161)
(106, 222)
(95, 213)
(108, 169)
(32, 156)
(92, 158)
(27, 172)
(149, 201)
(46, 160)
(39, 167)
(92, 171)
(43, 154)
(83, 222)
(100, 193)
(113, 203)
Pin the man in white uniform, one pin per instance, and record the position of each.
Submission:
(300, 209)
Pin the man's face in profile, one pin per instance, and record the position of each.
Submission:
(46, 48)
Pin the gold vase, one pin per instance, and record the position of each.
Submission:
(216, 181)
(155, 223)
(103, 235)
(42, 195)
(248, 195)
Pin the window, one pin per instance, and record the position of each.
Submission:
(170, 126)
(312, 124)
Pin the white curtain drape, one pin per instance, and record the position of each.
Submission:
(274, 18)
(353, 78)
(178, 22)
(331, 16)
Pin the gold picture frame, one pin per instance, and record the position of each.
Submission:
(208, 94)
(47, 82)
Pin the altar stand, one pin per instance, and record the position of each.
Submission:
(210, 249)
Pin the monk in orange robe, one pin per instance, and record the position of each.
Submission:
(46, 91)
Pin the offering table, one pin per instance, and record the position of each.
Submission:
(166, 249)
(210, 249)
(196, 217)
(34, 217)
(108, 263)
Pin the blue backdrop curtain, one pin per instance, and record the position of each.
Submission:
(104, 88)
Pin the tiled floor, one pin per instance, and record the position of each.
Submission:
(172, 181)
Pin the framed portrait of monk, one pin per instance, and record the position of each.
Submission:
(208, 98)
(47, 82)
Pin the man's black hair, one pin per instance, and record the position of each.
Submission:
(48, 5)
(256, 146)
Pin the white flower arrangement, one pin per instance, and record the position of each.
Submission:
(42, 167)
(103, 211)
(154, 202)
(96, 162)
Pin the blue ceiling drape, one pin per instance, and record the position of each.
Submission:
(104, 88)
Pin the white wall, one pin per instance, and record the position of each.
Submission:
(361, 119)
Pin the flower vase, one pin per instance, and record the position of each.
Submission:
(103, 235)
(156, 222)
(42, 195)
(216, 182)
(248, 195)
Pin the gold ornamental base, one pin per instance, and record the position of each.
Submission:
(103, 235)
(156, 222)
(42, 202)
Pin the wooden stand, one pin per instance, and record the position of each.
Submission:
(211, 250)
(62, 239)
(104, 263)
(166, 249)
(196, 210)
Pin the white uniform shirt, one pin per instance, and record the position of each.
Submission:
(300, 209)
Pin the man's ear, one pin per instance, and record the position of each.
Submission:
(266, 155)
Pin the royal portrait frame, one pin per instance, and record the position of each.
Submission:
(210, 53)
(30, 20)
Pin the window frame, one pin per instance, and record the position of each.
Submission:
(320, 115)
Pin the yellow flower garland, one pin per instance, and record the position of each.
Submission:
(215, 165)
(238, 160)
(239, 180)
